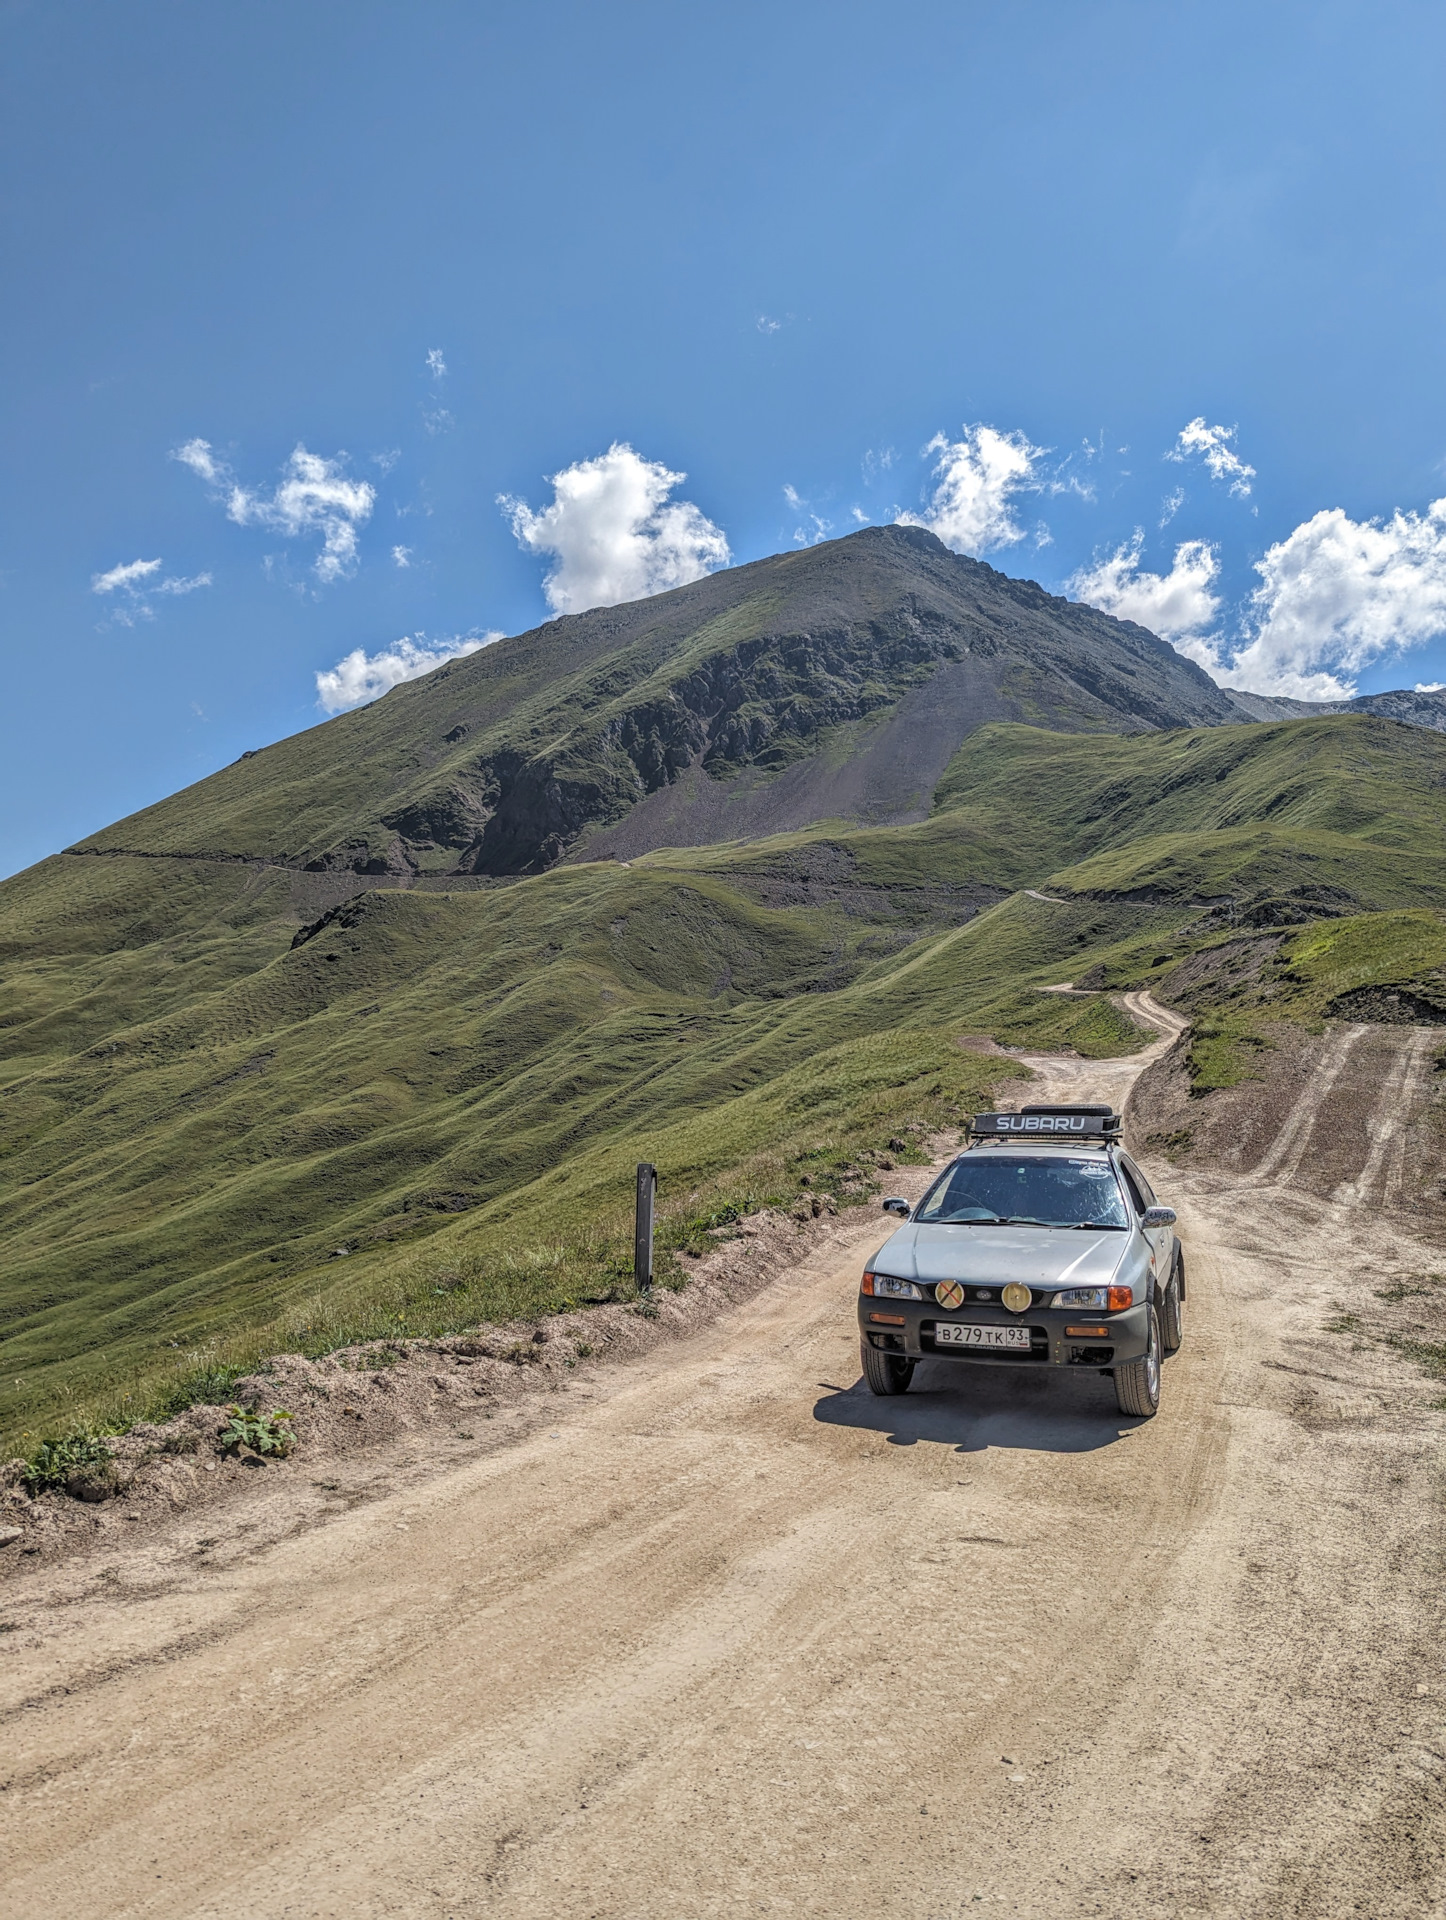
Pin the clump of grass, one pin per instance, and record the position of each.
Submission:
(1178, 1140)
(1429, 1355)
(377, 1359)
(1224, 1050)
(205, 1386)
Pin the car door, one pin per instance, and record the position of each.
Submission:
(1161, 1239)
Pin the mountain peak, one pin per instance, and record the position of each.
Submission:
(833, 681)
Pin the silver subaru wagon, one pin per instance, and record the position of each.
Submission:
(1042, 1245)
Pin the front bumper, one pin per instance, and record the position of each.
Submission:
(907, 1327)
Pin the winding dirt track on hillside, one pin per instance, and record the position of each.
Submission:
(728, 1636)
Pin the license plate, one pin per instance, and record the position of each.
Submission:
(951, 1334)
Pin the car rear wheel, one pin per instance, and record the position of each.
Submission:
(1137, 1382)
(885, 1372)
(1172, 1309)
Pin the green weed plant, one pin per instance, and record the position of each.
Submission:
(265, 1434)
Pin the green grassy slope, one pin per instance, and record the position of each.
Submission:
(1218, 810)
(196, 1113)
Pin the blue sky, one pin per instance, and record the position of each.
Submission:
(773, 248)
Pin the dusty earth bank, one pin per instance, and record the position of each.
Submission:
(722, 1634)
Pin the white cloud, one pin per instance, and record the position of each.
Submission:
(128, 575)
(818, 529)
(1213, 446)
(768, 325)
(314, 496)
(1170, 506)
(198, 456)
(1335, 595)
(402, 556)
(1429, 686)
(614, 534)
(1339, 593)
(362, 676)
(978, 477)
(1181, 605)
(437, 420)
(136, 585)
(436, 365)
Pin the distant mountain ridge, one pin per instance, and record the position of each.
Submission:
(835, 682)
(1416, 707)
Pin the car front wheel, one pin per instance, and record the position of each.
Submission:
(885, 1372)
(1137, 1382)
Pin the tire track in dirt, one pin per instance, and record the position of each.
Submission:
(1400, 1100)
(1283, 1161)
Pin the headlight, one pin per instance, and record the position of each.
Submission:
(884, 1285)
(1110, 1299)
(1081, 1297)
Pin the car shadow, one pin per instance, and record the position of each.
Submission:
(1053, 1412)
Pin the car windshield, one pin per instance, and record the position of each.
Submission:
(987, 1189)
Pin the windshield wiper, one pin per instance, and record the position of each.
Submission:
(1096, 1226)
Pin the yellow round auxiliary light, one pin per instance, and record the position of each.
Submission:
(949, 1293)
(1016, 1297)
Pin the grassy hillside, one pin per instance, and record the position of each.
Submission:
(203, 1101)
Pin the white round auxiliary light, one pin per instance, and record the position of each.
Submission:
(1016, 1296)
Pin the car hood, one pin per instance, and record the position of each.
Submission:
(991, 1256)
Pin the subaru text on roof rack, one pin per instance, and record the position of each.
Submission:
(1041, 1245)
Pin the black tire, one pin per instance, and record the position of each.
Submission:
(1137, 1382)
(885, 1372)
(1172, 1309)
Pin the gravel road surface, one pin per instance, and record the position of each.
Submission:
(728, 1636)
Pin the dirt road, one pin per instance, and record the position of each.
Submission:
(728, 1636)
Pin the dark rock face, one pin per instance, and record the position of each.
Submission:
(1416, 709)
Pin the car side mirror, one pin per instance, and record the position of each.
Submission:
(901, 1207)
(1158, 1217)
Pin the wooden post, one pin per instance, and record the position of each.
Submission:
(643, 1229)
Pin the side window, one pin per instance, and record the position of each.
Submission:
(1141, 1182)
(1133, 1184)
